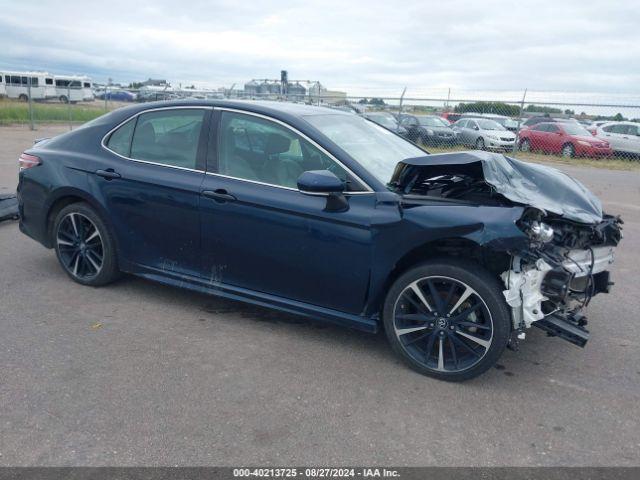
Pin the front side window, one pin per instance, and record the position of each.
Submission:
(169, 137)
(256, 149)
(372, 146)
(617, 128)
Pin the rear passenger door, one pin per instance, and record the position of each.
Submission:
(150, 184)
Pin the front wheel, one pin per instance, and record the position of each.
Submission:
(568, 151)
(480, 143)
(447, 318)
(84, 246)
(525, 145)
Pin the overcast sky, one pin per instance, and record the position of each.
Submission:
(365, 47)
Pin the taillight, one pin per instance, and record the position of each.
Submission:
(27, 161)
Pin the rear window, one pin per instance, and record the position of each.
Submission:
(120, 140)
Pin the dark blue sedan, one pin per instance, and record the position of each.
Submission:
(324, 214)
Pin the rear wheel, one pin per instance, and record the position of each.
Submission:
(480, 143)
(568, 150)
(23, 98)
(63, 99)
(525, 145)
(84, 246)
(447, 319)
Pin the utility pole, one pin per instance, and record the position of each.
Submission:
(515, 143)
(400, 110)
(31, 127)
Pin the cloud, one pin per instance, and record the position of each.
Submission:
(366, 46)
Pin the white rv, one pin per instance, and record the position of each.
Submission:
(18, 84)
(69, 88)
(3, 90)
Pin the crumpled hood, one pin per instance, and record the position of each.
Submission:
(525, 183)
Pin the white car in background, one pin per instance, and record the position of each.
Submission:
(484, 134)
(624, 137)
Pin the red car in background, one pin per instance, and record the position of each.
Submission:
(451, 117)
(568, 139)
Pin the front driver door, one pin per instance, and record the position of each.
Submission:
(261, 234)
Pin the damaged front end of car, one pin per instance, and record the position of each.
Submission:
(570, 242)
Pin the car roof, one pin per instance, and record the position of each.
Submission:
(258, 106)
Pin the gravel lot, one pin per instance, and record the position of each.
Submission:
(141, 374)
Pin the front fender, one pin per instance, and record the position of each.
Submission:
(491, 227)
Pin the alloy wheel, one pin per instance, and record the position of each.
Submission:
(443, 324)
(567, 150)
(80, 246)
(525, 146)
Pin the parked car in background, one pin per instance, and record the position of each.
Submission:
(451, 117)
(117, 95)
(386, 120)
(484, 134)
(624, 137)
(567, 138)
(428, 129)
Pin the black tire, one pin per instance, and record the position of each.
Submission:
(568, 150)
(525, 145)
(480, 143)
(63, 99)
(23, 98)
(89, 258)
(491, 319)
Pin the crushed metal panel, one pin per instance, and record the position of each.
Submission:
(525, 183)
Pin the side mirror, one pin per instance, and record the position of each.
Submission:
(476, 128)
(319, 182)
(324, 182)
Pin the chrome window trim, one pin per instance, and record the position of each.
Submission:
(181, 107)
(368, 189)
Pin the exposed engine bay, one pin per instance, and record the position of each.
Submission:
(570, 241)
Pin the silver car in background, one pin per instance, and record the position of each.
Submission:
(624, 137)
(484, 134)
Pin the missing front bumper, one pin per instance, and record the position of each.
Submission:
(551, 297)
(569, 328)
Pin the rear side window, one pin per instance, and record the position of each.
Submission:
(120, 140)
(552, 128)
(168, 137)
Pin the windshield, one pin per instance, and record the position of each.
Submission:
(384, 120)
(575, 129)
(372, 146)
(431, 122)
(489, 125)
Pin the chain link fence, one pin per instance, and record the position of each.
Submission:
(524, 124)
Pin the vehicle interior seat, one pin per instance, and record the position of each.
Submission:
(231, 162)
(280, 169)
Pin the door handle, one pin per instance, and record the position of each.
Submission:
(108, 174)
(220, 195)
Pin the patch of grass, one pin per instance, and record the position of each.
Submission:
(612, 163)
(12, 112)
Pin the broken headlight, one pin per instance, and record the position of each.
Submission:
(541, 232)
